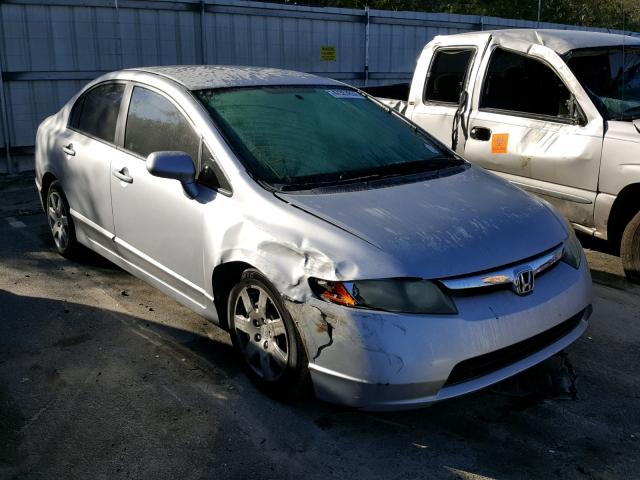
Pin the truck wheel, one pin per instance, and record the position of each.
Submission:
(630, 249)
(266, 338)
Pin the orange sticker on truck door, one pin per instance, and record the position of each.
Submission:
(499, 142)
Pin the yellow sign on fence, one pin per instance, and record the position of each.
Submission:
(328, 53)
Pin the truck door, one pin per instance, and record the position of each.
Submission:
(532, 123)
(445, 70)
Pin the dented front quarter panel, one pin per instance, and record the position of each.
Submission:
(289, 246)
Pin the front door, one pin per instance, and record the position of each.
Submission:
(159, 230)
(537, 130)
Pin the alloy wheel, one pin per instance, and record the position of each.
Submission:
(58, 220)
(261, 333)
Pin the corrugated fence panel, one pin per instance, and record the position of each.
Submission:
(397, 38)
(45, 38)
(33, 101)
(49, 50)
(159, 37)
(285, 42)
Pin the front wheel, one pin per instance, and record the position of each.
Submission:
(266, 338)
(60, 221)
(630, 249)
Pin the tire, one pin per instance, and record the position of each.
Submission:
(60, 221)
(630, 249)
(266, 338)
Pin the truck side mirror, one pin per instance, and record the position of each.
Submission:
(575, 112)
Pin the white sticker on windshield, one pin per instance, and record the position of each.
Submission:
(344, 93)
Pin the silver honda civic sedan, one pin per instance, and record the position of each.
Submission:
(343, 248)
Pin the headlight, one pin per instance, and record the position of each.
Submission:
(392, 295)
(572, 253)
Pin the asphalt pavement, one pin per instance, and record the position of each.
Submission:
(102, 376)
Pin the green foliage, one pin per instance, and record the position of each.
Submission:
(616, 14)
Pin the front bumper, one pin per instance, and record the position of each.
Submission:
(386, 361)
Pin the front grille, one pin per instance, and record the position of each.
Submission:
(492, 361)
(505, 276)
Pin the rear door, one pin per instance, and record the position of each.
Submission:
(88, 145)
(532, 123)
(158, 228)
(447, 67)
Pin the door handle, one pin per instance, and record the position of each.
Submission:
(122, 174)
(68, 149)
(481, 133)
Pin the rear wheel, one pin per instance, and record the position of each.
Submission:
(630, 249)
(60, 221)
(266, 338)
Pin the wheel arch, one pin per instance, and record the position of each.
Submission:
(223, 279)
(625, 206)
(47, 179)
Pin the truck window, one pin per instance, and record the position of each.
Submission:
(521, 84)
(447, 75)
(611, 77)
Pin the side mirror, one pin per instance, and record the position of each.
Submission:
(176, 165)
(575, 112)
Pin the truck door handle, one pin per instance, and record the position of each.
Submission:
(122, 174)
(68, 149)
(481, 133)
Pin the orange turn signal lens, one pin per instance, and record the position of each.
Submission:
(335, 292)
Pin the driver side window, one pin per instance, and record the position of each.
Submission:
(154, 124)
(520, 84)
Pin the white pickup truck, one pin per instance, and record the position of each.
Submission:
(556, 112)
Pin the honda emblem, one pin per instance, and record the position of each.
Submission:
(523, 280)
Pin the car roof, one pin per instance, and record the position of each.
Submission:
(199, 77)
(561, 41)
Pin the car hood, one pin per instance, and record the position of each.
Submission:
(451, 225)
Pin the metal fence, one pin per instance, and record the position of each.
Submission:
(49, 49)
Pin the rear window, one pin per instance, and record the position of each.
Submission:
(447, 75)
(96, 112)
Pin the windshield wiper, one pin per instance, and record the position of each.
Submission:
(323, 183)
(386, 171)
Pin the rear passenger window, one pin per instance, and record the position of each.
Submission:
(519, 83)
(154, 124)
(96, 112)
(447, 75)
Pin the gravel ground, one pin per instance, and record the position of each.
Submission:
(101, 376)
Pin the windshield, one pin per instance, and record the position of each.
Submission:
(304, 137)
(611, 76)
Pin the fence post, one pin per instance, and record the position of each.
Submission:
(203, 33)
(3, 101)
(366, 45)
